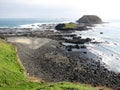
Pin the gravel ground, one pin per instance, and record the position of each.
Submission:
(46, 59)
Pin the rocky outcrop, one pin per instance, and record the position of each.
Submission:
(60, 26)
(66, 26)
(82, 23)
(90, 19)
(70, 26)
(78, 40)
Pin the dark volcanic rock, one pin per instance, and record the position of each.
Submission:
(60, 26)
(90, 19)
(78, 41)
(83, 22)
(71, 26)
(101, 32)
(54, 65)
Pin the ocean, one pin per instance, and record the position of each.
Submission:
(20, 22)
(108, 51)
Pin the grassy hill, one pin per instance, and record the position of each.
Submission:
(12, 74)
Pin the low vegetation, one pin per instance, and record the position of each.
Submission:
(66, 26)
(70, 26)
(12, 75)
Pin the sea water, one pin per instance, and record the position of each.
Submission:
(109, 50)
(24, 22)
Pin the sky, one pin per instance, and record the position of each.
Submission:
(107, 9)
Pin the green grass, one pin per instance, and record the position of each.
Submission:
(69, 26)
(12, 74)
(65, 86)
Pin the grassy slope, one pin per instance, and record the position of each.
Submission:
(12, 75)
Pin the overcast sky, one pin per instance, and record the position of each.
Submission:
(108, 9)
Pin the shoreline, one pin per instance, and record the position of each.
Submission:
(57, 35)
(70, 66)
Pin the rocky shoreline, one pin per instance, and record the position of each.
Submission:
(53, 62)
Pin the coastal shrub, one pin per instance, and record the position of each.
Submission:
(66, 26)
(70, 26)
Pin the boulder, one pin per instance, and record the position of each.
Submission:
(90, 19)
(101, 32)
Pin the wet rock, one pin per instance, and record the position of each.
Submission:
(85, 52)
(83, 47)
(69, 48)
(101, 32)
(115, 43)
(77, 46)
(77, 37)
(78, 41)
(33, 25)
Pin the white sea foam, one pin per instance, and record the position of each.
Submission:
(109, 50)
(39, 26)
(111, 61)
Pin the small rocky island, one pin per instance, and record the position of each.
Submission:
(81, 24)
(60, 55)
(90, 19)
